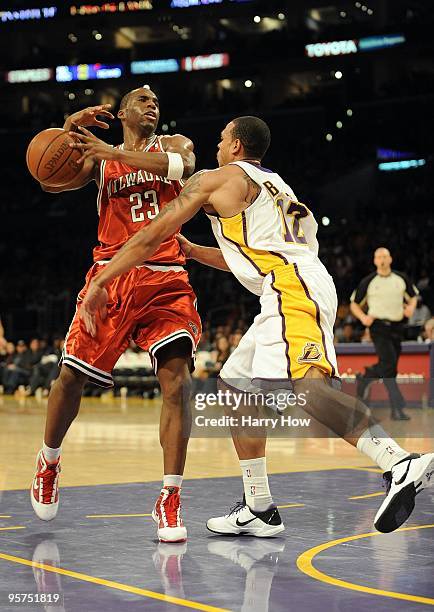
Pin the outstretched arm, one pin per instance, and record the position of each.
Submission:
(155, 162)
(158, 163)
(209, 256)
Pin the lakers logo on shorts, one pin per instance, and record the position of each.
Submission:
(311, 353)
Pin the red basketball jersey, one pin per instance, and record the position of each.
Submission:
(128, 200)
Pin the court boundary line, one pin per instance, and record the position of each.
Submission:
(13, 527)
(368, 495)
(113, 584)
(305, 565)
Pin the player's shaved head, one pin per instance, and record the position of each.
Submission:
(254, 135)
(127, 97)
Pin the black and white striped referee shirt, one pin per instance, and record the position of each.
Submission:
(385, 295)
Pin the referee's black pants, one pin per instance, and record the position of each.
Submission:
(387, 336)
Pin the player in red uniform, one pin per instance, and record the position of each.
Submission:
(153, 304)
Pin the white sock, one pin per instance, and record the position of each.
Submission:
(50, 454)
(376, 444)
(255, 480)
(172, 480)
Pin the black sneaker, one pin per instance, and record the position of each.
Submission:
(406, 479)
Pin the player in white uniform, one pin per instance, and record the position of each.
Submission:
(268, 240)
(271, 247)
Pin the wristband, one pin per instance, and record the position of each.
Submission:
(175, 169)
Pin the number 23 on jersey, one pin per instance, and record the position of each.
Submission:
(144, 206)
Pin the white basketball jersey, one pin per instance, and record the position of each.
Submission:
(275, 230)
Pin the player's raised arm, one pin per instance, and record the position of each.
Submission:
(176, 162)
(90, 116)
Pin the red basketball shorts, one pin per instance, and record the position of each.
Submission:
(150, 306)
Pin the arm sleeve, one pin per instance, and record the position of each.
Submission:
(410, 289)
(359, 295)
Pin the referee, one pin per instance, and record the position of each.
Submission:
(390, 297)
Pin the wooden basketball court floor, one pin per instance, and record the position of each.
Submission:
(101, 552)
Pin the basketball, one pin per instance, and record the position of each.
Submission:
(51, 160)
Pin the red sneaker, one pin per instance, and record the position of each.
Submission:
(167, 514)
(44, 492)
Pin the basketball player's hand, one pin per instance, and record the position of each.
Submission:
(186, 245)
(91, 146)
(89, 116)
(94, 301)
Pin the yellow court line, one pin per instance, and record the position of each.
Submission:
(115, 585)
(369, 495)
(291, 506)
(7, 528)
(304, 564)
(114, 515)
(5, 516)
(363, 469)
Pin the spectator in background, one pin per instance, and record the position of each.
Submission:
(234, 339)
(343, 315)
(346, 334)
(10, 352)
(205, 341)
(428, 332)
(15, 370)
(420, 315)
(349, 334)
(47, 369)
(19, 371)
(220, 355)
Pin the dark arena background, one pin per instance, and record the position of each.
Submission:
(347, 89)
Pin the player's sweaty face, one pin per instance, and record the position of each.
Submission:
(144, 108)
(223, 148)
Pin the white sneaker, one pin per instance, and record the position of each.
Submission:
(241, 520)
(406, 479)
(44, 491)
